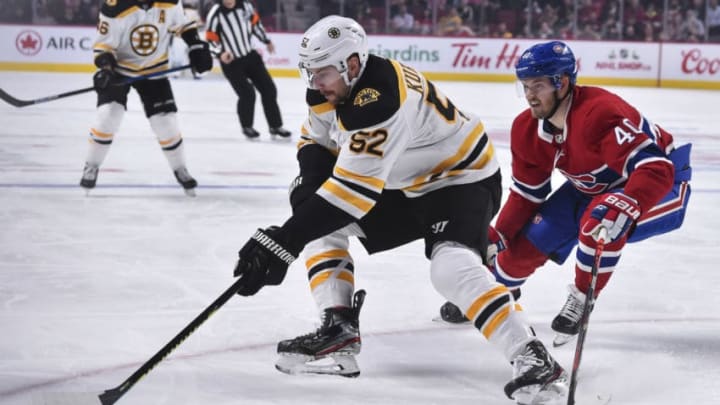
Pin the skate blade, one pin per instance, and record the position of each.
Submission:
(439, 319)
(343, 365)
(562, 339)
(190, 192)
(554, 393)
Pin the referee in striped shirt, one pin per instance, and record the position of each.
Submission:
(230, 26)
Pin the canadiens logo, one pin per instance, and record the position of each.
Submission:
(144, 39)
(366, 96)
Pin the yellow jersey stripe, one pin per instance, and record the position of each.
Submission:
(373, 182)
(170, 141)
(101, 135)
(484, 300)
(128, 11)
(402, 90)
(465, 148)
(326, 275)
(329, 255)
(358, 202)
(322, 108)
(495, 321)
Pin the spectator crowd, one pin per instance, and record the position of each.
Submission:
(630, 20)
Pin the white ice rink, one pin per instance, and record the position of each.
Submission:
(91, 287)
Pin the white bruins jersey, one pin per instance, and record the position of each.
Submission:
(396, 131)
(138, 33)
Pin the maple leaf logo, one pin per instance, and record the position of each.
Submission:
(28, 42)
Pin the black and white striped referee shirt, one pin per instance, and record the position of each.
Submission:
(231, 29)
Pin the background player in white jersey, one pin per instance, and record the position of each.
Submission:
(385, 156)
(133, 40)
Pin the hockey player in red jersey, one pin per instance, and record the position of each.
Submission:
(622, 172)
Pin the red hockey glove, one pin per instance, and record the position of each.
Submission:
(616, 212)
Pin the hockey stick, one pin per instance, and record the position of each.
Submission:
(589, 301)
(113, 395)
(24, 103)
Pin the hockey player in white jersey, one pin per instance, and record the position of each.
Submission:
(133, 40)
(386, 157)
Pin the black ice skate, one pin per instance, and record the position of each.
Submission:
(567, 323)
(280, 131)
(450, 312)
(89, 177)
(186, 181)
(537, 378)
(250, 132)
(331, 349)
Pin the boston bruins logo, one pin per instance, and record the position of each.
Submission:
(366, 96)
(144, 39)
(334, 32)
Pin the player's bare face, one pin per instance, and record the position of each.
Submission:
(329, 83)
(540, 95)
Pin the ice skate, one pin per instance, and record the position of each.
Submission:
(331, 349)
(450, 313)
(567, 323)
(250, 132)
(186, 181)
(89, 177)
(280, 132)
(537, 378)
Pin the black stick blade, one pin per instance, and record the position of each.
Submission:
(12, 100)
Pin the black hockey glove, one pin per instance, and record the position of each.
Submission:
(106, 75)
(263, 261)
(103, 78)
(200, 57)
(106, 60)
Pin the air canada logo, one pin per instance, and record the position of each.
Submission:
(28, 42)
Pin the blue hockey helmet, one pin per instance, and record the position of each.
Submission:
(549, 59)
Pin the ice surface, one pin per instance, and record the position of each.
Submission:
(91, 287)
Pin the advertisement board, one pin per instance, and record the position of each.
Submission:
(69, 49)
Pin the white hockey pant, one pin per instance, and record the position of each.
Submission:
(330, 268)
(458, 274)
(165, 127)
(107, 122)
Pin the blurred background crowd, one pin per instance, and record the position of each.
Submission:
(628, 20)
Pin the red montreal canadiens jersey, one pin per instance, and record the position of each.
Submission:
(606, 143)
